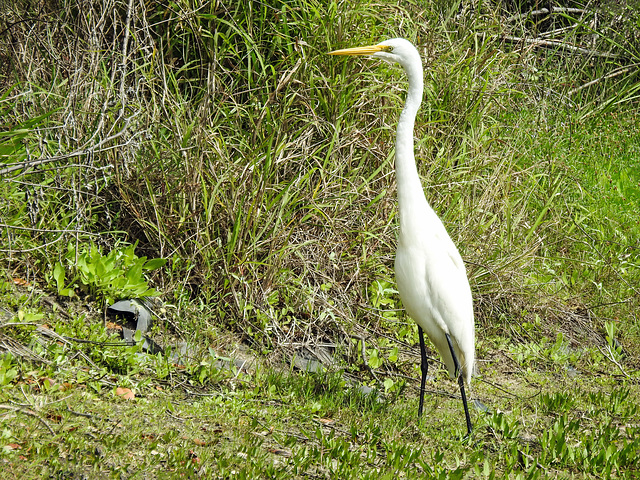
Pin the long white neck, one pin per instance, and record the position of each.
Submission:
(409, 186)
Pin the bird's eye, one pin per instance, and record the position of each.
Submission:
(389, 49)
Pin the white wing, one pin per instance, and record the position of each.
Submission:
(434, 288)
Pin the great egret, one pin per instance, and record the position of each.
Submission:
(431, 276)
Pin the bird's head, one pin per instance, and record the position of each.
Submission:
(395, 50)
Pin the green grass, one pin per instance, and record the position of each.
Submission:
(274, 423)
(555, 410)
(228, 143)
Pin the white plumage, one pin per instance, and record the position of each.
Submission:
(431, 276)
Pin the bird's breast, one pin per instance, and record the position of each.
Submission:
(432, 281)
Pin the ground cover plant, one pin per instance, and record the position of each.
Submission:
(212, 155)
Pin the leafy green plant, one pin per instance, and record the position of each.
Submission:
(209, 370)
(383, 294)
(613, 345)
(384, 297)
(556, 353)
(124, 360)
(558, 402)
(116, 275)
(8, 369)
(28, 316)
(554, 442)
(373, 358)
(507, 427)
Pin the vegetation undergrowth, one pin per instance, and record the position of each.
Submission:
(212, 154)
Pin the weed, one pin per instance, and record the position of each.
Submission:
(111, 277)
(8, 369)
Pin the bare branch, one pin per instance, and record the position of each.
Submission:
(544, 11)
(98, 147)
(561, 45)
(615, 73)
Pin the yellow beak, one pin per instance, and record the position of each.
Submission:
(368, 50)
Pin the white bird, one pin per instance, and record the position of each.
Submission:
(431, 276)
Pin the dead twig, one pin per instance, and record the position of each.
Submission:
(615, 73)
(30, 412)
(98, 147)
(544, 11)
(609, 354)
(536, 42)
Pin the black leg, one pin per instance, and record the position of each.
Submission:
(424, 368)
(461, 383)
